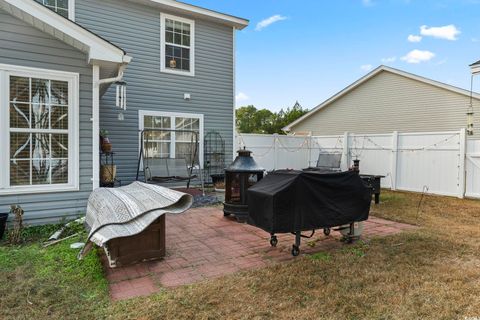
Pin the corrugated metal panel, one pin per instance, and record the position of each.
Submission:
(21, 44)
(136, 28)
(390, 102)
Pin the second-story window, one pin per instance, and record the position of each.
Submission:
(62, 7)
(177, 52)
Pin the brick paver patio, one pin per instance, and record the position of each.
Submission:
(202, 244)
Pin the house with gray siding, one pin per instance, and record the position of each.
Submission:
(387, 100)
(59, 65)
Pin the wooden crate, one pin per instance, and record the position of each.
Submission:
(148, 245)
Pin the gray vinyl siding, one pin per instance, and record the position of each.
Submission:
(23, 45)
(136, 29)
(390, 102)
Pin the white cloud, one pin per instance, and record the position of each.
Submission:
(442, 62)
(389, 59)
(414, 38)
(240, 97)
(417, 56)
(269, 21)
(366, 67)
(449, 32)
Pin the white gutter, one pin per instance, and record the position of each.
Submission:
(189, 9)
(475, 69)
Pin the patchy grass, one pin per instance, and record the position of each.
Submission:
(429, 273)
(321, 256)
(39, 283)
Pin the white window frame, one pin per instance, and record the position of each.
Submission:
(163, 68)
(73, 129)
(173, 115)
(71, 9)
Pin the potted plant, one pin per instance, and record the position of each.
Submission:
(105, 143)
(218, 182)
(108, 173)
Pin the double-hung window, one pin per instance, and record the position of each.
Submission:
(64, 8)
(173, 135)
(177, 45)
(38, 130)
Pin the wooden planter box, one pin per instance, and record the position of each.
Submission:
(148, 245)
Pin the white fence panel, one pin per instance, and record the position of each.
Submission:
(429, 160)
(409, 161)
(473, 169)
(262, 147)
(375, 155)
(331, 144)
(292, 152)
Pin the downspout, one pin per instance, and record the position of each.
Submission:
(119, 77)
(97, 82)
(96, 127)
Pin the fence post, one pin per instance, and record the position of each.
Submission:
(393, 169)
(461, 163)
(345, 160)
(309, 146)
(275, 151)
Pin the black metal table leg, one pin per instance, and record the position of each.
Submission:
(377, 198)
(273, 240)
(296, 246)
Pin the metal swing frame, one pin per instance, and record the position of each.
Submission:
(195, 141)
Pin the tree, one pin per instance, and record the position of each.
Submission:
(251, 120)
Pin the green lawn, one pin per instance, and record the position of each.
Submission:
(429, 273)
(50, 282)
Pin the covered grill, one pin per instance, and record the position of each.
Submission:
(296, 201)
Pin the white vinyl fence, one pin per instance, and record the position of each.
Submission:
(434, 161)
(473, 169)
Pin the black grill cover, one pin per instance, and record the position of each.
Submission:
(290, 201)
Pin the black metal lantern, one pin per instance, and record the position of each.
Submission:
(239, 176)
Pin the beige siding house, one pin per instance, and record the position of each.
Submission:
(387, 100)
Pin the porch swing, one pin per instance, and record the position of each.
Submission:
(161, 170)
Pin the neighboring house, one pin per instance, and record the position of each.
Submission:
(387, 100)
(475, 67)
(57, 71)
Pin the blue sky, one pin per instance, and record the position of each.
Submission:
(314, 48)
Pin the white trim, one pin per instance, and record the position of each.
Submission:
(95, 126)
(73, 128)
(234, 152)
(163, 68)
(30, 11)
(371, 75)
(71, 10)
(141, 126)
(185, 8)
(4, 125)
